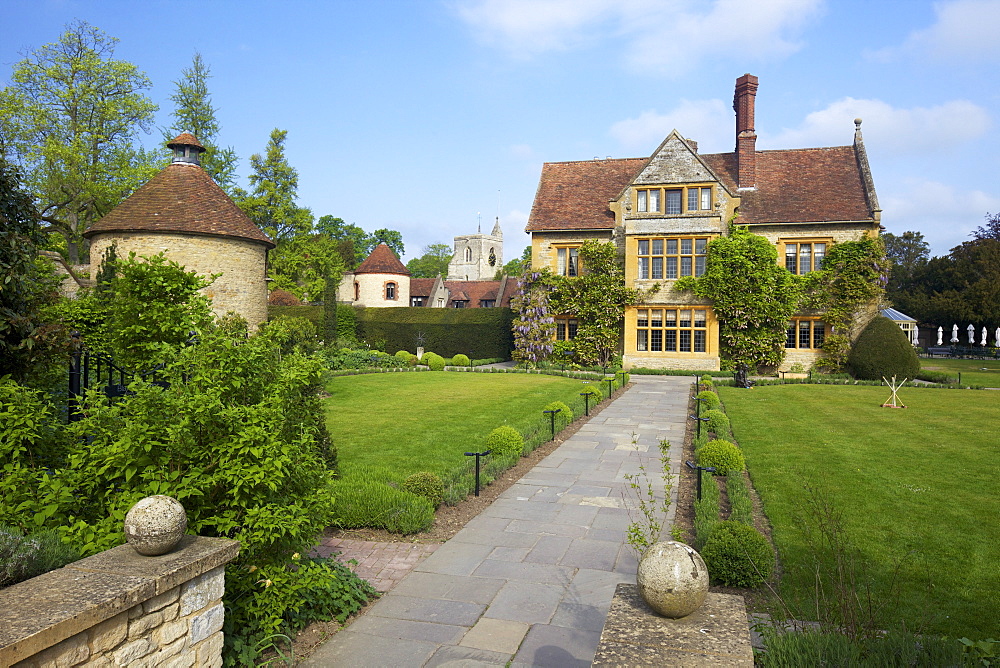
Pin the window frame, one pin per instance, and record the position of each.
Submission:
(793, 333)
(567, 327)
(783, 255)
(647, 268)
(572, 251)
(644, 196)
(390, 291)
(677, 338)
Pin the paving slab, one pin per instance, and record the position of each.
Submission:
(528, 582)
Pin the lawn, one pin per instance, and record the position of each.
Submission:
(413, 422)
(918, 489)
(985, 373)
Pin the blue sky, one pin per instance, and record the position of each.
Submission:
(421, 116)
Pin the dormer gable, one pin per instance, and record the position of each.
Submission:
(675, 161)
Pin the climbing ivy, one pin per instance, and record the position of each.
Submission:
(854, 274)
(597, 298)
(753, 297)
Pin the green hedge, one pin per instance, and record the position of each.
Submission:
(478, 332)
(311, 313)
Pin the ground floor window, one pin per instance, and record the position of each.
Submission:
(805, 334)
(566, 328)
(679, 330)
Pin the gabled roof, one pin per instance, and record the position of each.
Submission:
(797, 185)
(181, 198)
(382, 261)
(421, 287)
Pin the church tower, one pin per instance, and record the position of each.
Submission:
(477, 256)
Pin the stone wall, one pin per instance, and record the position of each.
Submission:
(119, 608)
(241, 288)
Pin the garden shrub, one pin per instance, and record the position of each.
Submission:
(563, 417)
(346, 358)
(717, 422)
(434, 361)
(722, 455)
(23, 557)
(706, 511)
(460, 360)
(292, 334)
(738, 555)
(740, 504)
(706, 378)
(597, 395)
(403, 355)
(709, 399)
(427, 485)
(280, 297)
(505, 440)
(883, 350)
(363, 502)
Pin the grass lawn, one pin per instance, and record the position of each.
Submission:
(411, 422)
(985, 373)
(918, 487)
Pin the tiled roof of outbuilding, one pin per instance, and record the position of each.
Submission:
(382, 261)
(421, 287)
(181, 198)
(185, 138)
(797, 185)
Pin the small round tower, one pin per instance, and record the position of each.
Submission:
(182, 212)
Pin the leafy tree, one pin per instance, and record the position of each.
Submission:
(23, 333)
(353, 243)
(149, 311)
(70, 119)
(434, 261)
(753, 297)
(961, 288)
(195, 113)
(271, 203)
(304, 264)
(390, 238)
(597, 298)
(907, 254)
(515, 266)
(991, 230)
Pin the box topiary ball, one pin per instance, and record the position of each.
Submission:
(722, 455)
(425, 484)
(718, 421)
(709, 399)
(505, 440)
(460, 360)
(738, 555)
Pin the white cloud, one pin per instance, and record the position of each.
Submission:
(893, 131)
(657, 35)
(708, 122)
(945, 214)
(965, 30)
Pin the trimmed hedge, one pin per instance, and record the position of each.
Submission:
(883, 350)
(738, 555)
(477, 332)
(721, 455)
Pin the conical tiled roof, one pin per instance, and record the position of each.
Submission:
(382, 261)
(181, 198)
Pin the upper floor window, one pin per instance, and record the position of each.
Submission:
(459, 303)
(487, 303)
(671, 257)
(803, 257)
(674, 201)
(805, 334)
(568, 261)
(390, 290)
(416, 301)
(468, 255)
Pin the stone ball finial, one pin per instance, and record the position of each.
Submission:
(672, 579)
(155, 525)
(857, 122)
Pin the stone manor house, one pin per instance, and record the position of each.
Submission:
(663, 210)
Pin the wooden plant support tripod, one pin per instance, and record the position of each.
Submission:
(893, 401)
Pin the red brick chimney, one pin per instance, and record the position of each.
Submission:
(746, 138)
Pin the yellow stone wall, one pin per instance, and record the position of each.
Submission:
(242, 263)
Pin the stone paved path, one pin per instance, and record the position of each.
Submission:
(529, 581)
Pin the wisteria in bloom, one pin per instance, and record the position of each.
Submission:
(534, 325)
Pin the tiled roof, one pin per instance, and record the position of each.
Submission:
(421, 287)
(181, 198)
(185, 138)
(798, 185)
(472, 291)
(575, 195)
(382, 261)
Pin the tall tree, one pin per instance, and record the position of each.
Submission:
(353, 243)
(271, 203)
(434, 261)
(305, 264)
(907, 253)
(195, 113)
(991, 230)
(515, 266)
(390, 238)
(70, 118)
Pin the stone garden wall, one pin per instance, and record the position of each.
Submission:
(119, 608)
